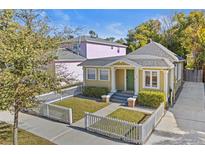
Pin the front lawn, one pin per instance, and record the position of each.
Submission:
(80, 106)
(129, 115)
(24, 137)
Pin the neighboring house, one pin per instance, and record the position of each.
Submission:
(90, 47)
(67, 63)
(79, 49)
(152, 67)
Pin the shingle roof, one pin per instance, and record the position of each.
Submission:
(64, 54)
(95, 40)
(156, 49)
(144, 62)
(100, 61)
(151, 55)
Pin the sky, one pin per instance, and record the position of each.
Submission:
(106, 23)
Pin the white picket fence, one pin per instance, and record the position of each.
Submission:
(123, 130)
(53, 112)
(57, 96)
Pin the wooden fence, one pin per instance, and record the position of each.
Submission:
(53, 112)
(123, 130)
(193, 75)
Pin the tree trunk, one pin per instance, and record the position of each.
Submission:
(15, 127)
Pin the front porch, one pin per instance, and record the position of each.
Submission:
(125, 79)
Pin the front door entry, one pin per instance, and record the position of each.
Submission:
(130, 80)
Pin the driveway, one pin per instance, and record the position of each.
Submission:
(185, 122)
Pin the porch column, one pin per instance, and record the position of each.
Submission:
(113, 88)
(136, 81)
(166, 84)
(125, 79)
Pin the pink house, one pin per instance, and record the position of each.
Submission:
(81, 48)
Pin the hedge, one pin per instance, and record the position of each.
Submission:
(151, 98)
(96, 92)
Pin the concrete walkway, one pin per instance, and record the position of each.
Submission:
(185, 122)
(63, 134)
(103, 112)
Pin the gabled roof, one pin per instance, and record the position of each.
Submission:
(156, 49)
(151, 55)
(64, 54)
(137, 61)
(100, 61)
(95, 40)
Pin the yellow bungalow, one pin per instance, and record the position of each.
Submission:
(152, 67)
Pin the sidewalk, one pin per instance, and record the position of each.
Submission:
(60, 133)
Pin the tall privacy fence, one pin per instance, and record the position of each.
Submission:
(52, 112)
(123, 130)
(193, 75)
(63, 94)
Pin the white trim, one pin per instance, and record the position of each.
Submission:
(157, 67)
(123, 60)
(166, 84)
(179, 71)
(136, 81)
(125, 79)
(113, 84)
(158, 79)
(104, 69)
(87, 73)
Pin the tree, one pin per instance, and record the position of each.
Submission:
(25, 48)
(93, 34)
(188, 35)
(141, 35)
(111, 39)
(121, 41)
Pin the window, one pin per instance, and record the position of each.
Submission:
(151, 79)
(118, 50)
(154, 79)
(147, 79)
(104, 74)
(91, 74)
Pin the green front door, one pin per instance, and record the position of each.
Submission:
(130, 80)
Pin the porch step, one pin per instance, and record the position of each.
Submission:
(118, 101)
(124, 94)
(120, 97)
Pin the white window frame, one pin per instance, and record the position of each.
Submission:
(87, 73)
(104, 69)
(158, 79)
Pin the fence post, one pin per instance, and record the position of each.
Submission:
(70, 116)
(86, 120)
(47, 110)
(140, 141)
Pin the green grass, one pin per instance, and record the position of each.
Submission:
(24, 137)
(80, 106)
(129, 115)
(118, 128)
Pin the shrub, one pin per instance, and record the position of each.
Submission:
(151, 98)
(96, 92)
